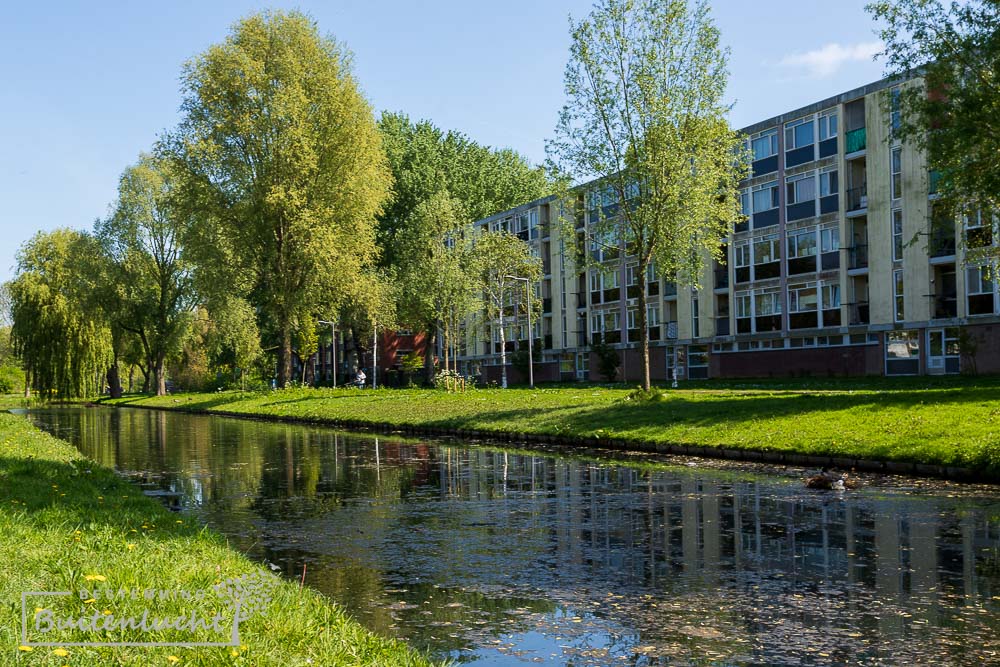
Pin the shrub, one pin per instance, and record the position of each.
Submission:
(640, 395)
(11, 380)
(608, 361)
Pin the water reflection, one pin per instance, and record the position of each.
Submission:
(495, 557)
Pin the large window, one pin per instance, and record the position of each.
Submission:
(895, 111)
(830, 293)
(802, 298)
(801, 188)
(829, 239)
(767, 302)
(897, 293)
(802, 243)
(979, 288)
(897, 235)
(765, 197)
(764, 144)
(653, 315)
(902, 353)
(896, 169)
(741, 254)
(828, 182)
(827, 126)
(766, 249)
(742, 301)
(799, 133)
(745, 208)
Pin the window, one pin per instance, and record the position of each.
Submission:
(902, 353)
(897, 291)
(828, 183)
(799, 133)
(802, 243)
(829, 239)
(610, 278)
(596, 322)
(830, 294)
(801, 188)
(766, 249)
(631, 315)
(767, 303)
(802, 298)
(612, 320)
(653, 315)
(745, 202)
(651, 276)
(897, 235)
(741, 254)
(828, 126)
(742, 302)
(595, 281)
(631, 277)
(695, 328)
(977, 280)
(765, 197)
(764, 144)
(896, 168)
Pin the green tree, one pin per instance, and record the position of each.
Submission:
(953, 114)
(498, 258)
(144, 239)
(64, 346)
(645, 117)
(443, 181)
(283, 160)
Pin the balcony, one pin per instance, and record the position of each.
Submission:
(581, 339)
(943, 242)
(721, 278)
(857, 199)
(856, 140)
(858, 257)
(859, 313)
(722, 325)
(945, 306)
(670, 330)
(547, 305)
(581, 300)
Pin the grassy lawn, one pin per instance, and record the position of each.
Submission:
(946, 421)
(67, 524)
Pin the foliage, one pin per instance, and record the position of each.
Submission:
(412, 363)
(11, 379)
(65, 347)
(449, 380)
(149, 274)
(953, 115)
(651, 395)
(519, 358)
(284, 166)
(609, 360)
(645, 117)
(499, 258)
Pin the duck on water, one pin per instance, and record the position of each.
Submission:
(828, 480)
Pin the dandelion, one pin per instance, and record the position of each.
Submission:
(234, 653)
(173, 658)
(89, 601)
(26, 649)
(39, 610)
(61, 652)
(130, 546)
(95, 577)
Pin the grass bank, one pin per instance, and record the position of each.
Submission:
(67, 524)
(940, 422)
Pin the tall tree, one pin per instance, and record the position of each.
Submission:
(283, 159)
(499, 258)
(144, 238)
(954, 114)
(443, 182)
(645, 117)
(65, 346)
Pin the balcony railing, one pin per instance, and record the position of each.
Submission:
(858, 256)
(856, 140)
(945, 306)
(859, 313)
(857, 198)
(670, 329)
(722, 277)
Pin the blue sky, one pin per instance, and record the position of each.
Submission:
(87, 86)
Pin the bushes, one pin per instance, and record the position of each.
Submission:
(11, 380)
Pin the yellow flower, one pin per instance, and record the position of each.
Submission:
(173, 658)
(130, 546)
(95, 577)
(234, 653)
(61, 652)
(26, 649)
(89, 601)
(107, 612)
(39, 610)
(178, 521)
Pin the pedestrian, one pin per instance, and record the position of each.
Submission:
(361, 378)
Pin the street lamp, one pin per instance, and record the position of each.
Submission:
(333, 344)
(531, 362)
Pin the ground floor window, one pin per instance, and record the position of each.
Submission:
(902, 353)
(582, 365)
(697, 359)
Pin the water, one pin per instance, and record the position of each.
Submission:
(491, 556)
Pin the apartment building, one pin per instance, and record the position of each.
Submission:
(837, 269)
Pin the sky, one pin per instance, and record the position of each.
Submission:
(86, 87)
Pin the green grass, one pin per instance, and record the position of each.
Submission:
(944, 421)
(63, 519)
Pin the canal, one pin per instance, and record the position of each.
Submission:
(495, 556)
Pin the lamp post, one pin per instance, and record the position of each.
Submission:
(333, 344)
(531, 362)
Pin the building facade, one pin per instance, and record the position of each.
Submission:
(837, 270)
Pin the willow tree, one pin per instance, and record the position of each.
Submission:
(499, 260)
(144, 239)
(286, 168)
(64, 345)
(645, 119)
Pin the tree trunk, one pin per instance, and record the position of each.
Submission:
(160, 373)
(285, 356)
(643, 324)
(27, 382)
(131, 378)
(114, 380)
(429, 342)
(503, 353)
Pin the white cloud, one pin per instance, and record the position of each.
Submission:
(826, 60)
